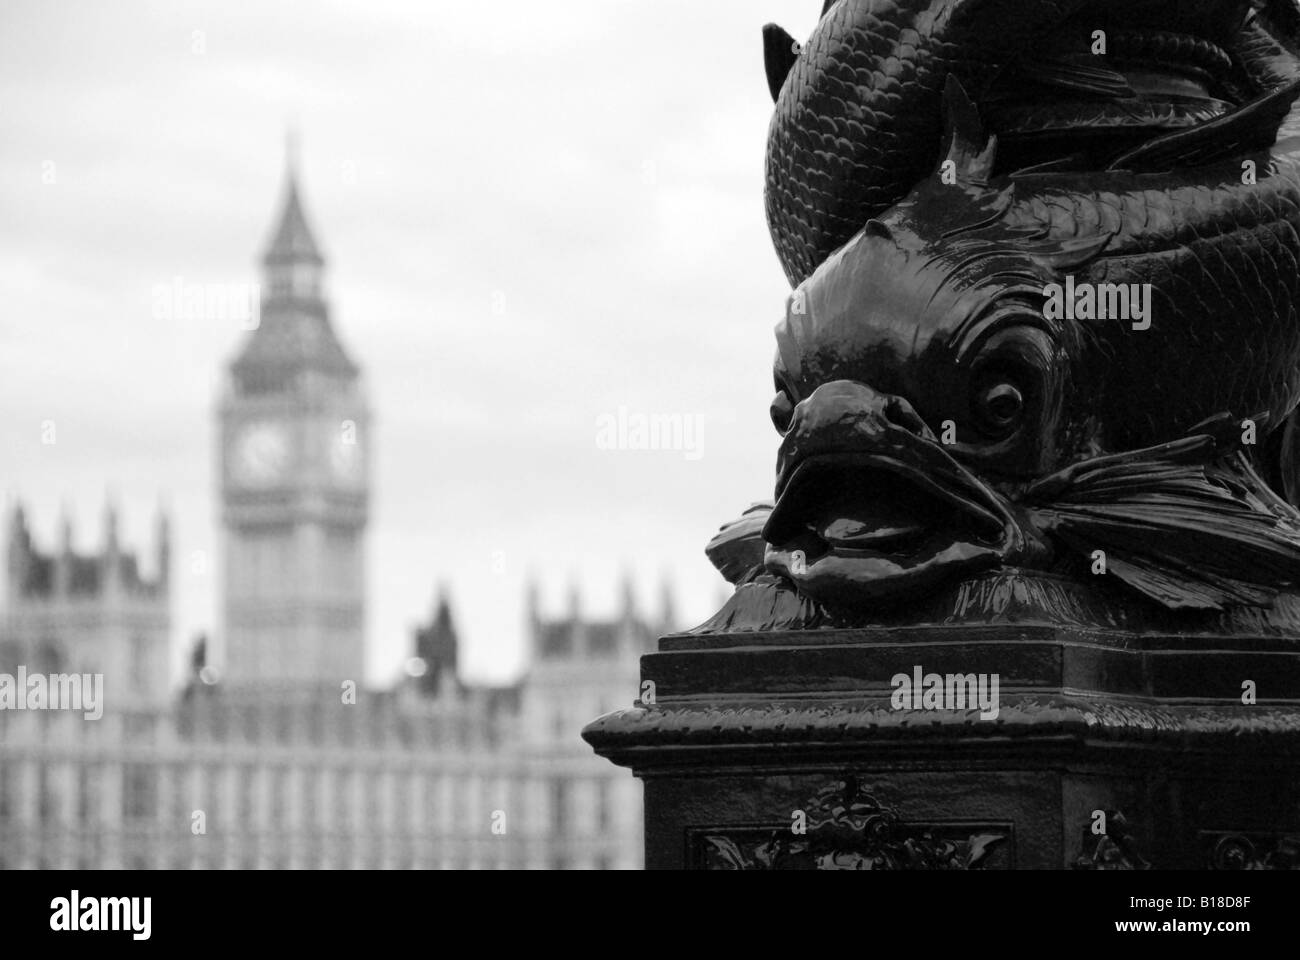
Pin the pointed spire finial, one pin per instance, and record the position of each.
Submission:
(442, 606)
(627, 595)
(667, 604)
(63, 563)
(65, 528)
(532, 597)
(575, 601)
(291, 144)
(16, 554)
(292, 241)
(17, 521)
(163, 542)
(110, 522)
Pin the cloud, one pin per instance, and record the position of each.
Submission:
(534, 215)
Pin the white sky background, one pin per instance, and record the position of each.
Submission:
(599, 164)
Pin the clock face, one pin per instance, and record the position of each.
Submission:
(345, 453)
(261, 453)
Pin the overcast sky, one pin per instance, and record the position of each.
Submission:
(533, 215)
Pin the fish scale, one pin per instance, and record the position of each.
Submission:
(925, 302)
(882, 64)
(1207, 250)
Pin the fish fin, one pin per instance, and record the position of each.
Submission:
(1078, 77)
(971, 149)
(737, 549)
(1187, 534)
(1178, 586)
(780, 51)
(1279, 457)
(1252, 126)
(1062, 255)
(1283, 17)
(1225, 430)
(877, 228)
(762, 601)
(1073, 163)
(1289, 461)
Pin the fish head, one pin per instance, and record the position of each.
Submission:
(956, 334)
(918, 386)
(937, 418)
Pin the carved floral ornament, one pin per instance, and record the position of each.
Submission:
(847, 829)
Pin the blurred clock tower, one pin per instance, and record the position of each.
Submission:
(294, 446)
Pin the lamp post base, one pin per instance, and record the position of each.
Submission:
(1074, 747)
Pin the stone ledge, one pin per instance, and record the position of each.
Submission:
(873, 725)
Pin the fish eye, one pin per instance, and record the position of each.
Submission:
(998, 407)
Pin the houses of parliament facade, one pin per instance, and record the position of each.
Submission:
(282, 759)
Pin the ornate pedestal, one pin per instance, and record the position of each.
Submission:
(1036, 387)
(1114, 745)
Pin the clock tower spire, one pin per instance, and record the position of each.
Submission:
(294, 443)
(293, 263)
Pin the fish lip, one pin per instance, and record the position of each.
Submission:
(877, 572)
(849, 427)
(927, 469)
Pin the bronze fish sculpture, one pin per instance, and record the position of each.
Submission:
(857, 118)
(1029, 346)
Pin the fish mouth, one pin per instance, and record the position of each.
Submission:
(869, 512)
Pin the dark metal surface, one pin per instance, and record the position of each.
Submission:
(1091, 513)
(942, 411)
(750, 739)
(858, 120)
